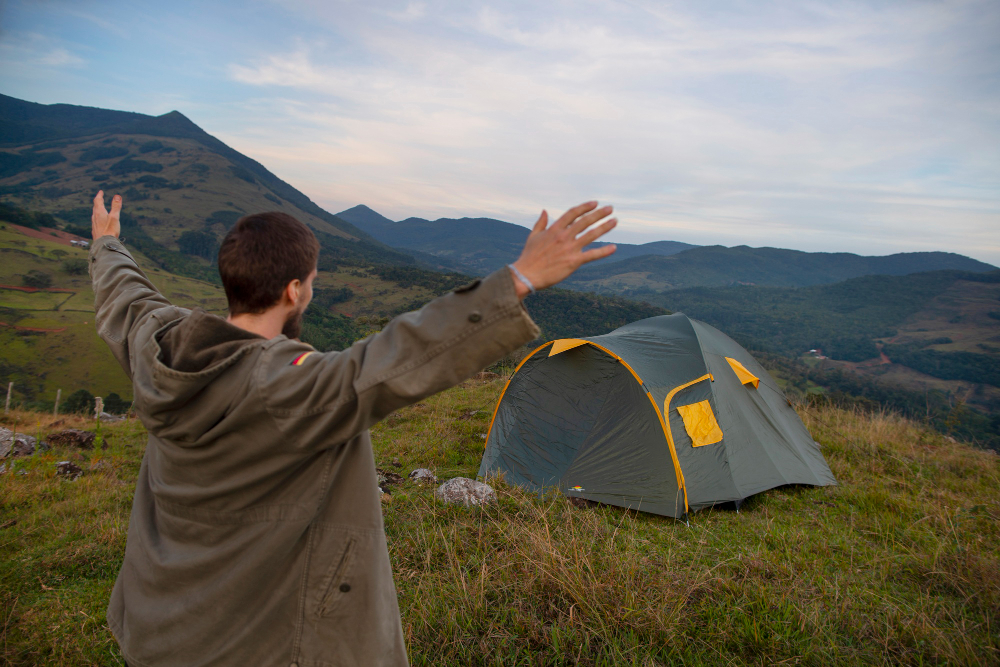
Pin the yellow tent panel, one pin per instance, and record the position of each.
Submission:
(745, 376)
(565, 344)
(700, 423)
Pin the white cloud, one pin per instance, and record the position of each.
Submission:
(849, 127)
(60, 58)
(36, 50)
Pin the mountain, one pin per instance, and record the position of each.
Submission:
(482, 244)
(45, 133)
(776, 267)
(479, 245)
(183, 189)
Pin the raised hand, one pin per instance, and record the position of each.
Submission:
(103, 223)
(552, 254)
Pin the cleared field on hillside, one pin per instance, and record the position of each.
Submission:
(68, 354)
(962, 314)
(898, 564)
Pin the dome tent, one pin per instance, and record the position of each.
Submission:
(666, 415)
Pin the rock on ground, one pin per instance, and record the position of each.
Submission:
(72, 437)
(387, 478)
(16, 445)
(423, 476)
(69, 470)
(465, 491)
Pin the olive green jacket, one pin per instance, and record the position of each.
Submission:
(256, 533)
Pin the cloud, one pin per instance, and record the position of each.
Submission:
(60, 57)
(36, 50)
(847, 126)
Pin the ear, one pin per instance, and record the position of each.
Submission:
(293, 291)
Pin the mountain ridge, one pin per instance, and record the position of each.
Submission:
(639, 270)
(29, 122)
(479, 243)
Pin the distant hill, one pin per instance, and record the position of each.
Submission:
(741, 265)
(478, 245)
(926, 344)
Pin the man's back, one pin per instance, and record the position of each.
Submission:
(256, 532)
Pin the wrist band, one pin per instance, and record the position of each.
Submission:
(520, 276)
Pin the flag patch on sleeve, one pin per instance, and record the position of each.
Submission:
(297, 361)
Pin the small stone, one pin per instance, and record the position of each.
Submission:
(72, 437)
(387, 478)
(482, 436)
(465, 491)
(110, 418)
(69, 470)
(16, 444)
(423, 476)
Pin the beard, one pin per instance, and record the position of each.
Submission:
(293, 324)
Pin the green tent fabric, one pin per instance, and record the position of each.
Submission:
(666, 415)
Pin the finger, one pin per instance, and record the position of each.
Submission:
(585, 221)
(116, 206)
(574, 213)
(597, 232)
(99, 203)
(542, 222)
(598, 253)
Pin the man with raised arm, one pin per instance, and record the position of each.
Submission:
(256, 533)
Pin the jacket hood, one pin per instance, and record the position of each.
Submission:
(188, 356)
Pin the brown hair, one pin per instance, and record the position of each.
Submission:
(260, 255)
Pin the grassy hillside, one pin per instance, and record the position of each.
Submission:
(899, 564)
(48, 340)
(846, 319)
(924, 344)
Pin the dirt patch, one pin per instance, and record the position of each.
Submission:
(33, 329)
(48, 234)
(21, 288)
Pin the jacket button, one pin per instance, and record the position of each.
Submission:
(475, 316)
(345, 587)
(294, 664)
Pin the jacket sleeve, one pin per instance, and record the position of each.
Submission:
(123, 297)
(324, 399)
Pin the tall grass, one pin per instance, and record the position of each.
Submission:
(896, 565)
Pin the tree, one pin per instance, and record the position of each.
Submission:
(37, 279)
(116, 405)
(200, 244)
(75, 266)
(80, 401)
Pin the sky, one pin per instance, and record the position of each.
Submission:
(866, 127)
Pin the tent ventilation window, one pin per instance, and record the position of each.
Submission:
(745, 376)
(700, 423)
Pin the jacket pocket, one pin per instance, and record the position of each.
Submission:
(336, 585)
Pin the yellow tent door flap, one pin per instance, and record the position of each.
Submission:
(699, 422)
(745, 376)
